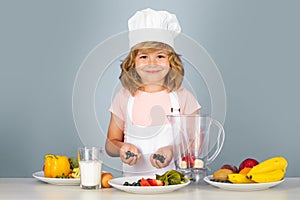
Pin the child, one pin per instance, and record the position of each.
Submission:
(139, 131)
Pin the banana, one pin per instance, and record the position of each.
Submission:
(269, 165)
(76, 173)
(239, 178)
(271, 176)
(269, 170)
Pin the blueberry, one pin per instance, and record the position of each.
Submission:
(159, 157)
(130, 154)
(162, 159)
(126, 183)
(136, 184)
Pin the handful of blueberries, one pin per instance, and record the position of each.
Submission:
(159, 157)
(156, 156)
(130, 154)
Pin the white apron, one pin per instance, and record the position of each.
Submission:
(148, 139)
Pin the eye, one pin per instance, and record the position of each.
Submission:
(161, 56)
(142, 57)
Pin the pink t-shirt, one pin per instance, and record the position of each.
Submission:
(152, 108)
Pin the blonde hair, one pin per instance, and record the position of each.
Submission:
(130, 78)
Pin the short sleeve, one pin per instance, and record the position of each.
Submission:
(119, 104)
(188, 103)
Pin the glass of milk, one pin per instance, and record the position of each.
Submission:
(90, 163)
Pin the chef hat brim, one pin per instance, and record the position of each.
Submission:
(147, 34)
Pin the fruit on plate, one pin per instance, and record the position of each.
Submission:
(251, 171)
(249, 162)
(171, 177)
(105, 177)
(150, 182)
(271, 176)
(155, 182)
(270, 170)
(56, 166)
(270, 165)
(233, 168)
(245, 170)
(144, 182)
(222, 175)
(239, 178)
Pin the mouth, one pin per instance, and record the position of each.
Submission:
(152, 71)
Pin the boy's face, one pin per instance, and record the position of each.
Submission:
(152, 66)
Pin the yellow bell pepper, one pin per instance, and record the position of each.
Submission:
(56, 166)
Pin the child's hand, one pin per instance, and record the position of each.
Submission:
(162, 157)
(129, 154)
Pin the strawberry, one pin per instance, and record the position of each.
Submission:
(192, 160)
(154, 182)
(189, 159)
(144, 182)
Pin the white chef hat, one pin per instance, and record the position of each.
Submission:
(152, 25)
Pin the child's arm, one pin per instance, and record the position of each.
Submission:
(115, 136)
(115, 145)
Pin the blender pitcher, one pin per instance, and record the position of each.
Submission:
(192, 149)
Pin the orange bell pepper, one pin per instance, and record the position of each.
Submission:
(56, 166)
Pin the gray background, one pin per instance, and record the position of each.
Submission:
(255, 45)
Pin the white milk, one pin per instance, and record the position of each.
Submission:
(90, 173)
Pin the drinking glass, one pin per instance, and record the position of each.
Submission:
(90, 164)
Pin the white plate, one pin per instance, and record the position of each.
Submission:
(56, 181)
(241, 187)
(118, 183)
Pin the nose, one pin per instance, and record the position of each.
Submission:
(152, 60)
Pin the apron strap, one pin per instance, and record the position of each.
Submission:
(175, 109)
(129, 110)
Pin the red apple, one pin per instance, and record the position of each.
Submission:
(233, 168)
(249, 162)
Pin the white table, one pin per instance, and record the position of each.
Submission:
(30, 188)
